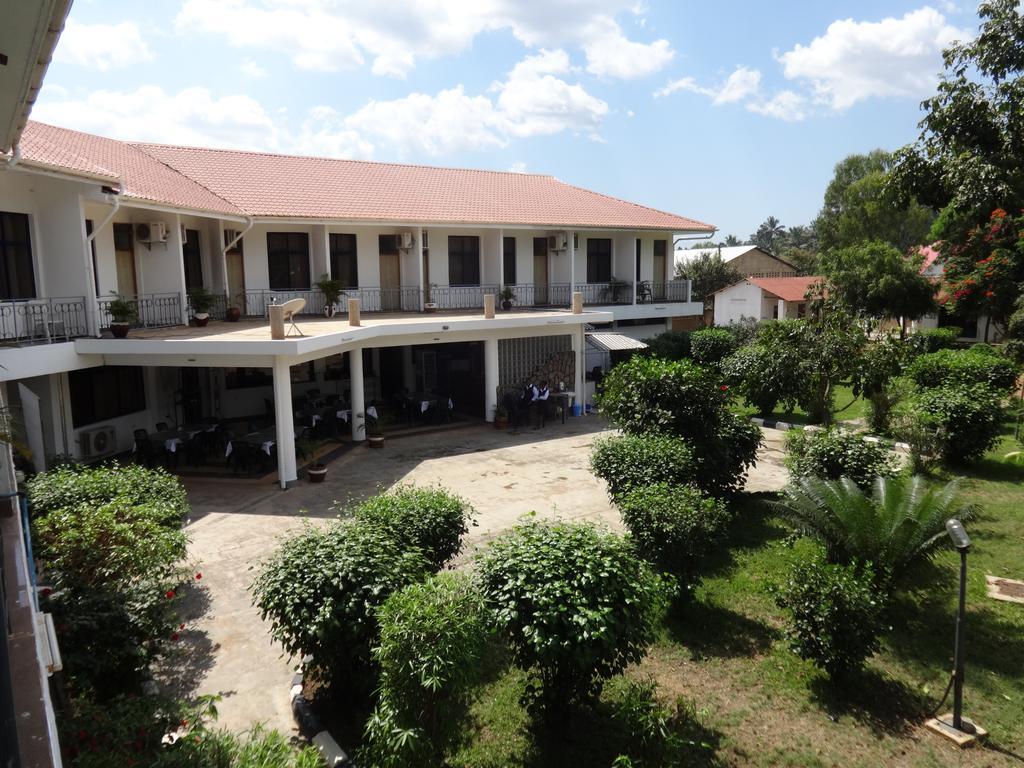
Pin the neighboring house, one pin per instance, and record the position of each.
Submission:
(972, 329)
(763, 298)
(745, 259)
(87, 217)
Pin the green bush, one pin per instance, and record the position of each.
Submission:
(978, 365)
(933, 339)
(877, 378)
(320, 591)
(834, 453)
(838, 614)
(75, 486)
(674, 528)
(965, 420)
(709, 346)
(636, 461)
(670, 345)
(899, 523)
(764, 377)
(725, 458)
(430, 519)
(114, 568)
(432, 636)
(575, 603)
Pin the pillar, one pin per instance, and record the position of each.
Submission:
(490, 378)
(355, 367)
(286, 468)
(579, 350)
(176, 242)
(782, 309)
(419, 265)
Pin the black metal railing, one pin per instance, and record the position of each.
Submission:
(375, 299)
(153, 310)
(43, 321)
(461, 296)
(218, 310)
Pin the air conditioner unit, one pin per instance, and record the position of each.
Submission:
(556, 242)
(405, 240)
(153, 232)
(98, 442)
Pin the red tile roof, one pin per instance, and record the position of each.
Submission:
(285, 186)
(786, 288)
(928, 256)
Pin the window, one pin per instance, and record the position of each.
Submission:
(288, 261)
(193, 260)
(801, 310)
(344, 266)
(245, 378)
(100, 394)
(17, 278)
(508, 250)
(639, 242)
(599, 259)
(463, 260)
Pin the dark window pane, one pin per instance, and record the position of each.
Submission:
(463, 260)
(243, 378)
(122, 237)
(193, 260)
(509, 255)
(288, 261)
(99, 394)
(599, 259)
(660, 247)
(638, 244)
(387, 243)
(17, 277)
(344, 261)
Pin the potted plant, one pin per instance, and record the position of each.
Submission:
(500, 416)
(615, 288)
(233, 313)
(202, 301)
(122, 314)
(507, 296)
(316, 472)
(332, 290)
(428, 305)
(374, 432)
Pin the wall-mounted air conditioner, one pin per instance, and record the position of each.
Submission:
(405, 240)
(556, 243)
(97, 442)
(151, 232)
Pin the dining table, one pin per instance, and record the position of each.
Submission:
(264, 439)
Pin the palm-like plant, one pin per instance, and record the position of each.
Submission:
(901, 521)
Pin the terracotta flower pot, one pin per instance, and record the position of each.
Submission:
(317, 473)
(330, 310)
(119, 330)
(201, 318)
(233, 314)
(375, 441)
(501, 422)
(506, 305)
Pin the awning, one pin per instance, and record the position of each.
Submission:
(615, 342)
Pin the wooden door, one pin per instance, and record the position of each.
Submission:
(236, 280)
(660, 269)
(390, 275)
(124, 257)
(540, 271)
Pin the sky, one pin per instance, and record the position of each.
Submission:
(726, 112)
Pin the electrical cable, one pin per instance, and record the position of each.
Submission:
(949, 687)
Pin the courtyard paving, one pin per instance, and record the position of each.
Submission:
(225, 646)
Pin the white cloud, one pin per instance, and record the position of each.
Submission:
(531, 101)
(785, 105)
(857, 60)
(330, 35)
(102, 46)
(250, 68)
(682, 84)
(742, 83)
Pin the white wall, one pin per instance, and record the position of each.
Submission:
(737, 302)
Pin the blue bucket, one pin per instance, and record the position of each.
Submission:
(576, 409)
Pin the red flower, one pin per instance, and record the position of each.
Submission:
(175, 637)
(998, 213)
(181, 626)
(724, 388)
(199, 576)
(169, 594)
(184, 723)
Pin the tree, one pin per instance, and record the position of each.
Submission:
(769, 235)
(731, 240)
(859, 206)
(709, 273)
(874, 280)
(969, 156)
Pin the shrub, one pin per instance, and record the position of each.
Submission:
(113, 567)
(964, 420)
(75, 486)
(764, 377)
(636, 461)
(709, 346)
(430, 519)
(320, 591)
(647, 394)
(900, 522)
(837, 612)
(933, 339)
(876, 378)
(670, 345)
(725, 459)
(575, 603)
(674, 528)
(432, 636)
(978, 365)
(832, 454)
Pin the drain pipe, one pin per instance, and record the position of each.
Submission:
(14, 158)
(94, 312)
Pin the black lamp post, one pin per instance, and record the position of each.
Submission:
(962, 542)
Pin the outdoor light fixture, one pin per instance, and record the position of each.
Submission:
(955, 726)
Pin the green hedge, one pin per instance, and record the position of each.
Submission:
(626, 462)
(978, 365)
(709, 346)
(964, 419)
(831, 454)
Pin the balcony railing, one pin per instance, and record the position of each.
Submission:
(153, 310)
(42, 321)
(217, 311)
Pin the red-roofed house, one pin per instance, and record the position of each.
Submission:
(763, 298)
(972, 329)
(420, 252)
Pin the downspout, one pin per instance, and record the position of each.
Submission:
(14, 158)
(94, 312)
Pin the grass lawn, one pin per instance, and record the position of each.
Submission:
(748, 701)
(848, 407)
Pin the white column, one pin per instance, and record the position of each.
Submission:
(579, 348)
(283, 418)
(375, 361)
(419, 264)
(633, 264)
(490, 378)
(355, 368)
(782, 309)
(223, 258)
(570, 248)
